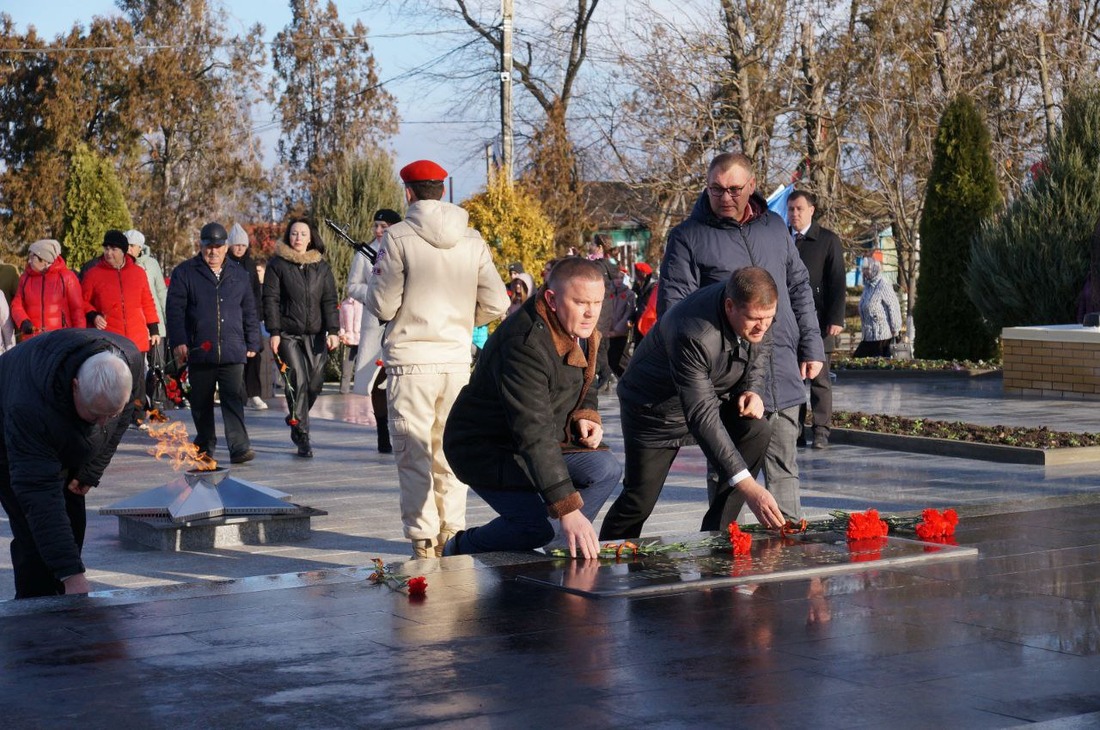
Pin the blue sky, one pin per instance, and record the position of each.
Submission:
(425, 130)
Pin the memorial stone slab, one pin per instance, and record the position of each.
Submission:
(772, 558)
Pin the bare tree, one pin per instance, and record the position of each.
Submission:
(326, 87)
(700, 87)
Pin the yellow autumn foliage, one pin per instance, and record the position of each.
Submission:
(512, 222)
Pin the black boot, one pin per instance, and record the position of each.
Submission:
(304, 449)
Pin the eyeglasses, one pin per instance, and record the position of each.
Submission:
(733, 192)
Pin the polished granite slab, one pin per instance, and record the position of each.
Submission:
(690, 566)
(1009, 638)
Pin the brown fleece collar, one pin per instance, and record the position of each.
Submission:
(311, 255)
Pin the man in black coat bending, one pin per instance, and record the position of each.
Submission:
(698, 377)
(66, 398)
(823, 256)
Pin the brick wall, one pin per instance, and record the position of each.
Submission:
(1052, 369)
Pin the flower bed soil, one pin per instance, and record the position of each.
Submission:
(1005, 444)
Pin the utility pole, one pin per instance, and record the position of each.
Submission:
(506, 89)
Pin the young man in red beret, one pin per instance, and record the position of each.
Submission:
(433, 282)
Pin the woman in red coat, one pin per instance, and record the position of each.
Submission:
(49, 296)
(116, 292)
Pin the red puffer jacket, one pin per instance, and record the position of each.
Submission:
(122, 296)
(51, 300)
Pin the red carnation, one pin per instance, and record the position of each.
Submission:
(206, 346)
(937, 525)
(864, 525)
(418, 586)
(741, 541)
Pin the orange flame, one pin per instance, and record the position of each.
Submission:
(155, 416)
(174, 443)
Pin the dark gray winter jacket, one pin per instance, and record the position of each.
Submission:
(706, 249)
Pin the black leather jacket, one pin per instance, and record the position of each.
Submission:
(685, 368)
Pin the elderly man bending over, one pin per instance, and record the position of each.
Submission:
(66, 398)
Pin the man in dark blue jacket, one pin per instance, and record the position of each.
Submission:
(212, 326)
(697, 377)
(730, 228)
(66, 399)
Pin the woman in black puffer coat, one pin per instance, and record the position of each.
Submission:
(301, 315)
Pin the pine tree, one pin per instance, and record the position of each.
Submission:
(1029, 265)
(94, 204)
(512, 222)
(962, 192)
(360, 186)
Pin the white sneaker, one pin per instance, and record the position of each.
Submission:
(256, 403)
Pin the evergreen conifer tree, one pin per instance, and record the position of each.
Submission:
(94, 204)
(1029, 265)
(362, 184)
(962, 192)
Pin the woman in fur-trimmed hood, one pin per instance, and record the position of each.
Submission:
(300, 311)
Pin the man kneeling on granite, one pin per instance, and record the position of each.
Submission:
(525, 434)
(698, 377)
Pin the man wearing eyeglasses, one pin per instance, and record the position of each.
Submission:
(729, 228)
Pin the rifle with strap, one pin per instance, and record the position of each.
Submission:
(359, 246)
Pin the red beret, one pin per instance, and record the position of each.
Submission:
(643, 268)
(422, 171)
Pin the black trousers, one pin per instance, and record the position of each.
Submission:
(252, 385)
(32, 576)
(229, 380)
(381, 406)
(647, 468)
(305, 357)
(616, 348)
(821, 400)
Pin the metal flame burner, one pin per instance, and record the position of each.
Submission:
(197, 495)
